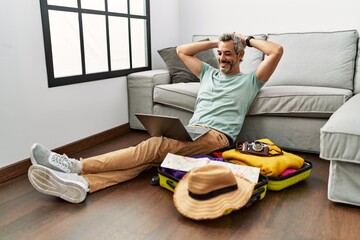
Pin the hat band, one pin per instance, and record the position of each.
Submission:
(212, 194)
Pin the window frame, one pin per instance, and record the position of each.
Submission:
(62, 81)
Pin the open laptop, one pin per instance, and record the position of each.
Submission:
(170, 127)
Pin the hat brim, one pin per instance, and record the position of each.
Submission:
(214, 207)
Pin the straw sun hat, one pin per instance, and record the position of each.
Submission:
(210, 192)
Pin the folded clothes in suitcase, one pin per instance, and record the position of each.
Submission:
(283, 169)
(169, 178)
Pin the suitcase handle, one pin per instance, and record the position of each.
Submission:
(170, 183)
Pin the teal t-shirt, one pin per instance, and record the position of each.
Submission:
(223, 101)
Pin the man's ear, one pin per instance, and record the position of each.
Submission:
(241, 54)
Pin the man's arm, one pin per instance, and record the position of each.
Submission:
(272, 50)
(186, 53)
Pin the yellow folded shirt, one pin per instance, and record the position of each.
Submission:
(270, 166)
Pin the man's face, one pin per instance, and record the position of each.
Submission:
(228, 60)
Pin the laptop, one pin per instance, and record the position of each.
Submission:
(171, 127)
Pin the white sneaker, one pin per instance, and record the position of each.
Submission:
(68, 186)
(42, 156)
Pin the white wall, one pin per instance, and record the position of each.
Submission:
(31, 112)
(164, 27)
(266, 16)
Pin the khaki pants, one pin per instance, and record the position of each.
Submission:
(115, 167)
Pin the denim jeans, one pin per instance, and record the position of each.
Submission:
(115, 167)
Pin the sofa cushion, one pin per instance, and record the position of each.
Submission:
(252, 57)
(299, 101)
(340, 136)
(179, 72)
(357, 72)
(325, 59)
(178, 95)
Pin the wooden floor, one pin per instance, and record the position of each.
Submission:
(138, 210)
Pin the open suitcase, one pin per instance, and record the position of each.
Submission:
(280, 182)
(168, 179)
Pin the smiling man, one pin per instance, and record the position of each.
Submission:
(223, 100)
(226, 93)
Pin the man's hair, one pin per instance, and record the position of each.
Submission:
(238, 46)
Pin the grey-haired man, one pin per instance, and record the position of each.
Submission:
(223, 100)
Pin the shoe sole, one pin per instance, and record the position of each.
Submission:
(46, 181)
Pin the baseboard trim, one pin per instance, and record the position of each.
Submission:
(20, 168)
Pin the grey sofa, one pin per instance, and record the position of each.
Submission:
(310, 104)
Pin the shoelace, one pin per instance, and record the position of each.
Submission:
(63, 162)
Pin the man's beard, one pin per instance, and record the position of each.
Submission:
(229, 66)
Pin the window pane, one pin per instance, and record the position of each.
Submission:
(119, 43)
(93, 4)
(65, 43)
(95, 46)
(138, 43)
(137, 7)
(63, 3)
(118, 6)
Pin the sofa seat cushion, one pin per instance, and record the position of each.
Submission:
(340, 136)
(299, 101)
(178, 95)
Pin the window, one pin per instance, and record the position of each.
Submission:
(87, 40)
